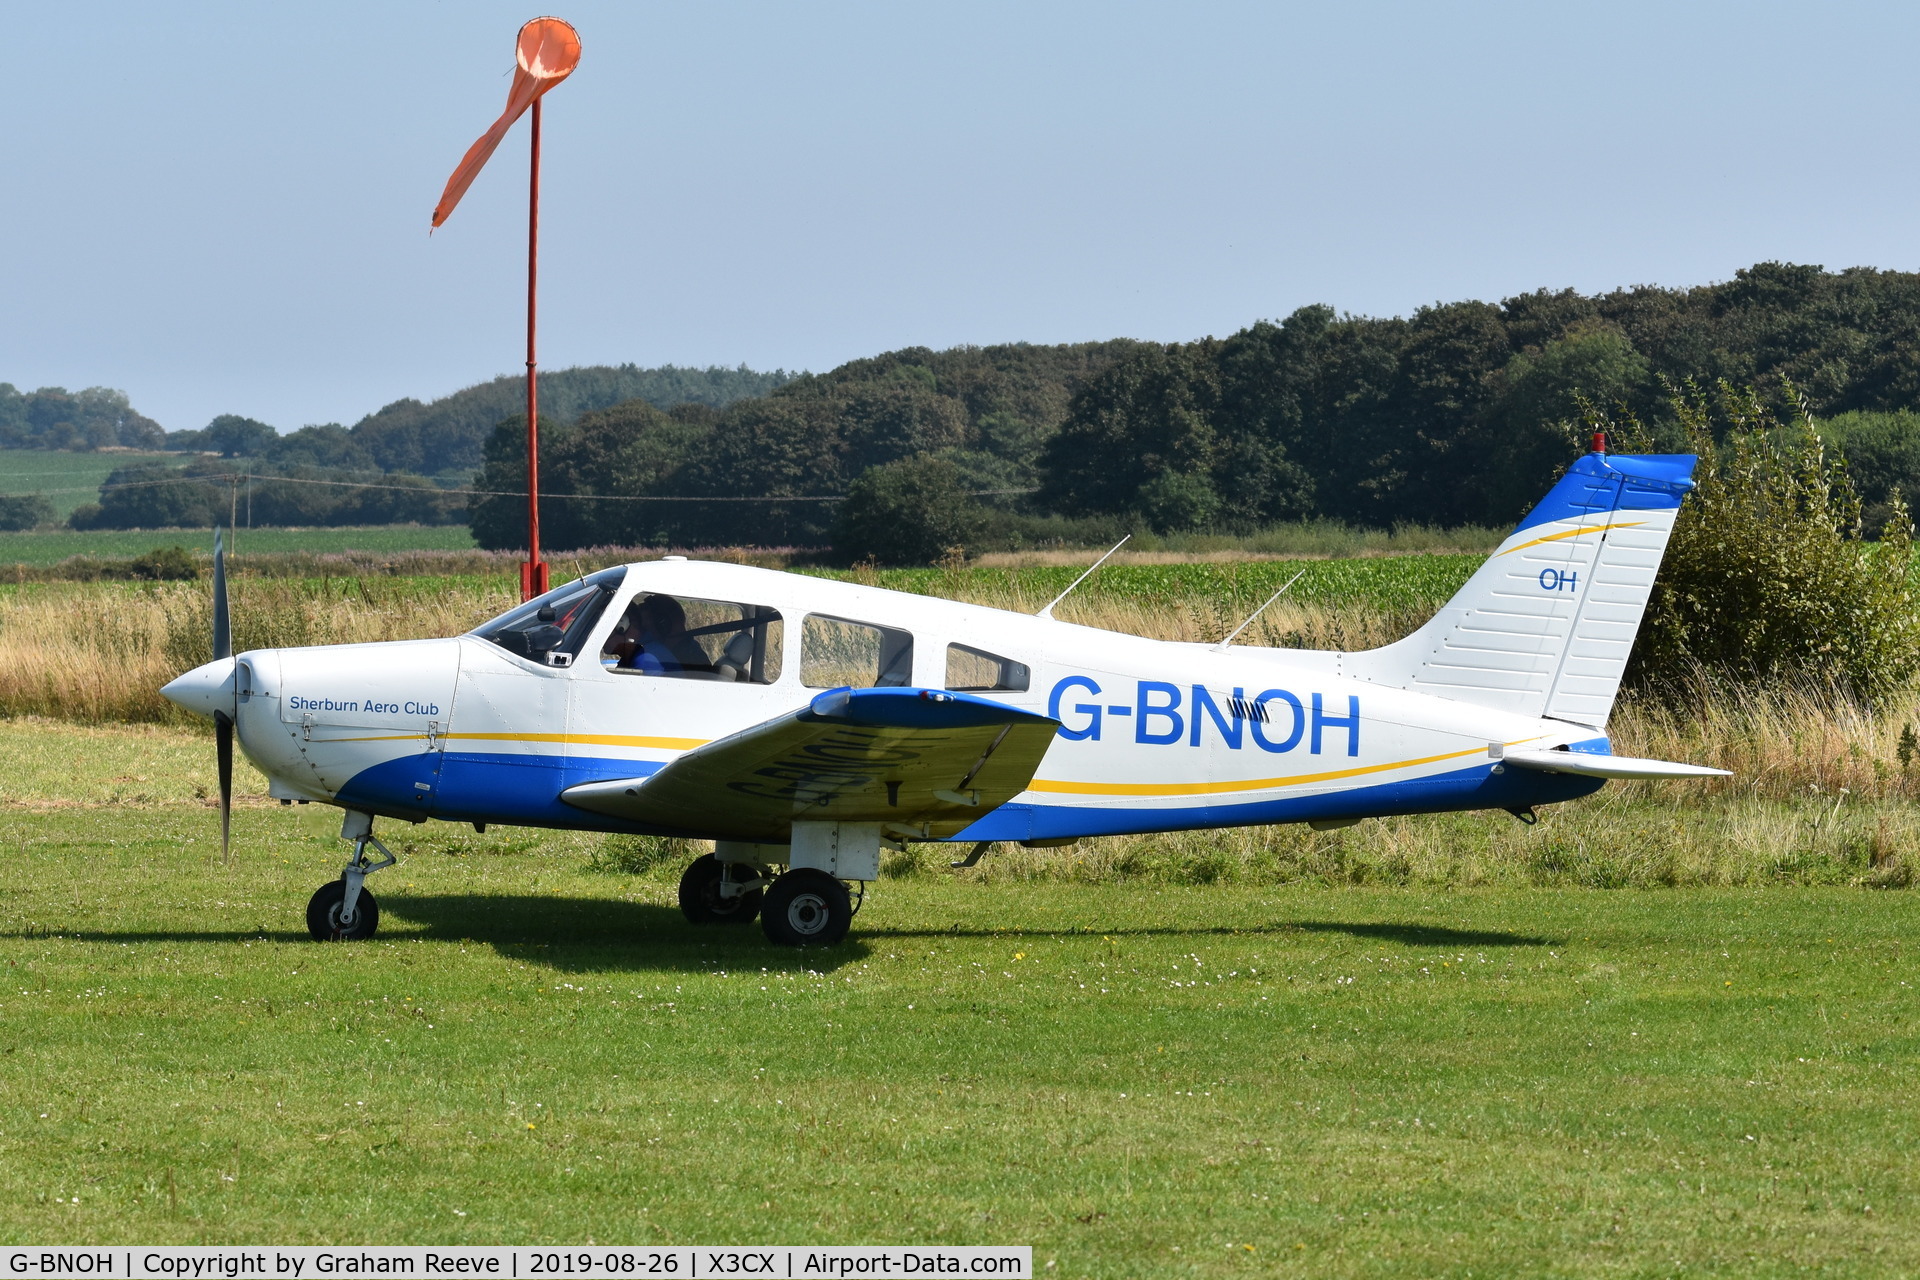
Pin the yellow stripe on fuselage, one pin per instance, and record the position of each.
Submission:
(1251, 784)
(588, 739)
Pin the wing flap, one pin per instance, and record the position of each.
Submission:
(921, 759)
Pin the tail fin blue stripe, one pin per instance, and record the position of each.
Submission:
(1602, 482)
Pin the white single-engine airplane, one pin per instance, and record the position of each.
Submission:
(811, 724)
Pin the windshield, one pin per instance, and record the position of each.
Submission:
(556, 623)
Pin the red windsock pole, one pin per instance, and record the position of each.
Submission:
(533, 574)
(547, 51)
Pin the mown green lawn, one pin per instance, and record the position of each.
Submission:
(1138, 1080)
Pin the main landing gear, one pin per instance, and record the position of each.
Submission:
(716, 892)
(801, 907)
(807, 908)
(342, 910)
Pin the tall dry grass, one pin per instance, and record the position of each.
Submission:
(1820, 792)
(99, 652)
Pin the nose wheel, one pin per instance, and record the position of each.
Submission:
(342, 910)
(324, 914)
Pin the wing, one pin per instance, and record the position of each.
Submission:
(923, 760)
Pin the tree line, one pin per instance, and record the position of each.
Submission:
(402, 457)
(1460, 413)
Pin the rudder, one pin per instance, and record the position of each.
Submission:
(1546, 625)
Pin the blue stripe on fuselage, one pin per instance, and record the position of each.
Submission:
(1477, 787)
(484, 786)
(524, 790)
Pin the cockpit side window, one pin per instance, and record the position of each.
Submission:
(693, 639)
(838, 652)
(551, 628)
(971, 670)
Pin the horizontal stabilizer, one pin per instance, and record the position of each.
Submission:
(925, 761)
(1591, 765)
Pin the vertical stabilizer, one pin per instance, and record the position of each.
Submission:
(1545, 626)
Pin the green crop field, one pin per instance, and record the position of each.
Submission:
(1384, 581)
(1137, 1078)
(68, 479)
(51, 547)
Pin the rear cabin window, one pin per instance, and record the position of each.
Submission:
(686, 638)
(551, 628)
(971, 670)
(838, 652)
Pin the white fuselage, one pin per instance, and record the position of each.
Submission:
(1153, 735)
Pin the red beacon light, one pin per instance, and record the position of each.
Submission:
(1599, 442)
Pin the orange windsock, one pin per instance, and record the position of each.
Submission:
(548, 50)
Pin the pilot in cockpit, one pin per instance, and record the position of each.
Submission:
(652, 639)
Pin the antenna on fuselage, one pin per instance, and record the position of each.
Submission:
(1047, 612)
(1222, 646)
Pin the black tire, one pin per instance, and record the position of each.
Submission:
(806, 908)
(700, 900)
(323, 914)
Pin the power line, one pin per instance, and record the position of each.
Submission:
(237, 477)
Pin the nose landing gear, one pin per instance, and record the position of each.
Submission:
(342, 910)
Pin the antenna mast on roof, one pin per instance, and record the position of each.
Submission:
(1047, 612)
(1222, 646)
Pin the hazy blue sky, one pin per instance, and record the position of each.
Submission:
(224, 207)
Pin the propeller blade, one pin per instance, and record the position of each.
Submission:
(223, 752)
(222, 633)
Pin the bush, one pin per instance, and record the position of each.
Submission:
(24, 511)
(1768, 578)
(914, 511)
(165, 564)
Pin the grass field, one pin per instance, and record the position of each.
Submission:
(68, 479)
(1138, 1078)
(45, 547)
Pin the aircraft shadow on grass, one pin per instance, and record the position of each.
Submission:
(1424, 935)
(589, 935)
(579, 935)
(1409, 935)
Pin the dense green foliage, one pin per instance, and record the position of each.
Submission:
(447, 436)
(55, 418)
(1460, 413)
(986, 410)
(24, 511)
(208, 491)
(1768, 577)
(913, 511)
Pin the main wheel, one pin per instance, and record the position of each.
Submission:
(323, 914)
(700, 898)
(806, 908)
